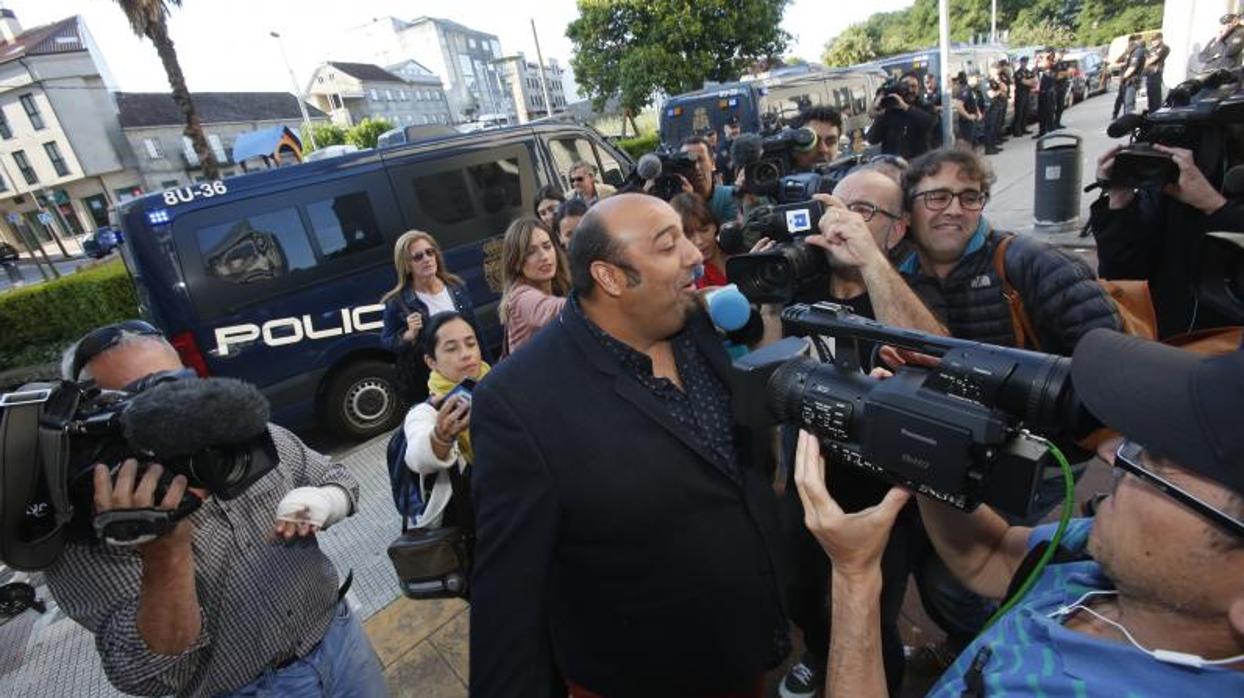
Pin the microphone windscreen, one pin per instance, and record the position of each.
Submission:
(730, 239)
(728, 308)
(1123, 125)
(181, 417)
(649, 166)
(746, 149)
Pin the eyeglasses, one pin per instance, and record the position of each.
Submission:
(867, 210)
(418, 256)
(939, 199)
(1128, 458)
(101, 340)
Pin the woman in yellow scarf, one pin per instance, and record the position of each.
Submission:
(438, 444)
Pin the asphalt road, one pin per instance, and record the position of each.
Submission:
(25, 272)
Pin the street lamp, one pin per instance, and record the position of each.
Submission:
(302, 104)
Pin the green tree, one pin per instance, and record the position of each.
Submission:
(854, 45)
(630, 49)
(149, 18)
(365, 133)
(324, 135)
(1046, 33)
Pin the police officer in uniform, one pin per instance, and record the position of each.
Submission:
(995, 95)
(1062, 83)
(1046, 93)
(1155, 63)
(1025, 80)
(1223, 51)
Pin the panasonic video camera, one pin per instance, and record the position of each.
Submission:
(961, 432)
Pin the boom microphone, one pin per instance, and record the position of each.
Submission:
(746, 149)
(649, 166)
(183, 417)
(1124, 125)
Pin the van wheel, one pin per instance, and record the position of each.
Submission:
(362, 400)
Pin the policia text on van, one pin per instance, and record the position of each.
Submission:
(275, 277)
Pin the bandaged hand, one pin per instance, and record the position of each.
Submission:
(306, 510)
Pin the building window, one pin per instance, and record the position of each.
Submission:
(170, 184)
(155, 151)
(23, 164)
(58, 161)
(375, 96)
(401, 94)
(218, 148)
(471, 42)
(32, 111)
(187, 147)
(388, 95)
(3, 185)
(5, 131)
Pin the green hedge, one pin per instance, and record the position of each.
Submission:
(636, 147)
(37, 322)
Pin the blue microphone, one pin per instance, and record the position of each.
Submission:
(728, 308)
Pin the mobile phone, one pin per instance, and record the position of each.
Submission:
(464, 389)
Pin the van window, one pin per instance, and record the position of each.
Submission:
(444, 196)
(258, 247)
(566, 152)
(344, 224)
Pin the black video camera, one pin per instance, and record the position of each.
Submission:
(786, 270)
(674, 164)
(894, 91)
(1194, 116)
(212, 431)
(763, 176)
(958, 433)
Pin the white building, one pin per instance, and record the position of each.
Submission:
(63, 160)
(463, 58)
(351, 92)
(522, 80)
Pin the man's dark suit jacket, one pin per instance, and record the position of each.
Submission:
(607, 543)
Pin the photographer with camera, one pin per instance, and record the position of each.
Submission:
(1145, 597)
(237, 598)
(826, 123)
(902, 121)
(719, 197)
(1156, 232)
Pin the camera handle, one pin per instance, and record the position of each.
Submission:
(130, 527)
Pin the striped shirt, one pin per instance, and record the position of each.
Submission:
(262, 602)
(1027, 653)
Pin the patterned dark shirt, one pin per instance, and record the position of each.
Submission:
(701, 407)
(261, 602)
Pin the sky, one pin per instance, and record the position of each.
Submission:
(223, 45)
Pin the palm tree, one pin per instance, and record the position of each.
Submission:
(149, 18)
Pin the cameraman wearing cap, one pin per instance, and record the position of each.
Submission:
(238, 599)
(1144, 598)
(1158, 235)
(902, 121)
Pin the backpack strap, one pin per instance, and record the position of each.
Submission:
(1020, 321)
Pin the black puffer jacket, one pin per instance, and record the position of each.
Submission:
(1060, 294)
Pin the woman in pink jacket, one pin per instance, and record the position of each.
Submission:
(536, 278)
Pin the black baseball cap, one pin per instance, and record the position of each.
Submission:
(1182, 405)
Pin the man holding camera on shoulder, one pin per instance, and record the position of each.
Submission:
(1144, 598)
(237, 599)
(902, 121)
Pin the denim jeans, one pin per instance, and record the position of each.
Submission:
(343, 665)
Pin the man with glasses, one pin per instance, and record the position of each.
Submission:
(955, 270)
(1144, 598)
(583, 182)
(863, 223)
(238, 598)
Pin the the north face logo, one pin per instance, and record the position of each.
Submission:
(982, 281)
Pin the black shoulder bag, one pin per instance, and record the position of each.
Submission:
(435, 563)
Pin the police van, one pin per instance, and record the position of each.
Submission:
(275, 277)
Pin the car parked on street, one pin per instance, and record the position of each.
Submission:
(1089, 75)
(101, 243)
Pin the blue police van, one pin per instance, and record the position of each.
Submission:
(275, 277)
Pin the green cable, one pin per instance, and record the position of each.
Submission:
(1069, 502)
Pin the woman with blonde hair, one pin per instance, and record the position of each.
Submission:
(424, 287)
(536, 277)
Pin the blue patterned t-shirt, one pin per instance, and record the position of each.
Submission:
(1031, 654)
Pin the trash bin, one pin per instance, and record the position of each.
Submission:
(1056, 195)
